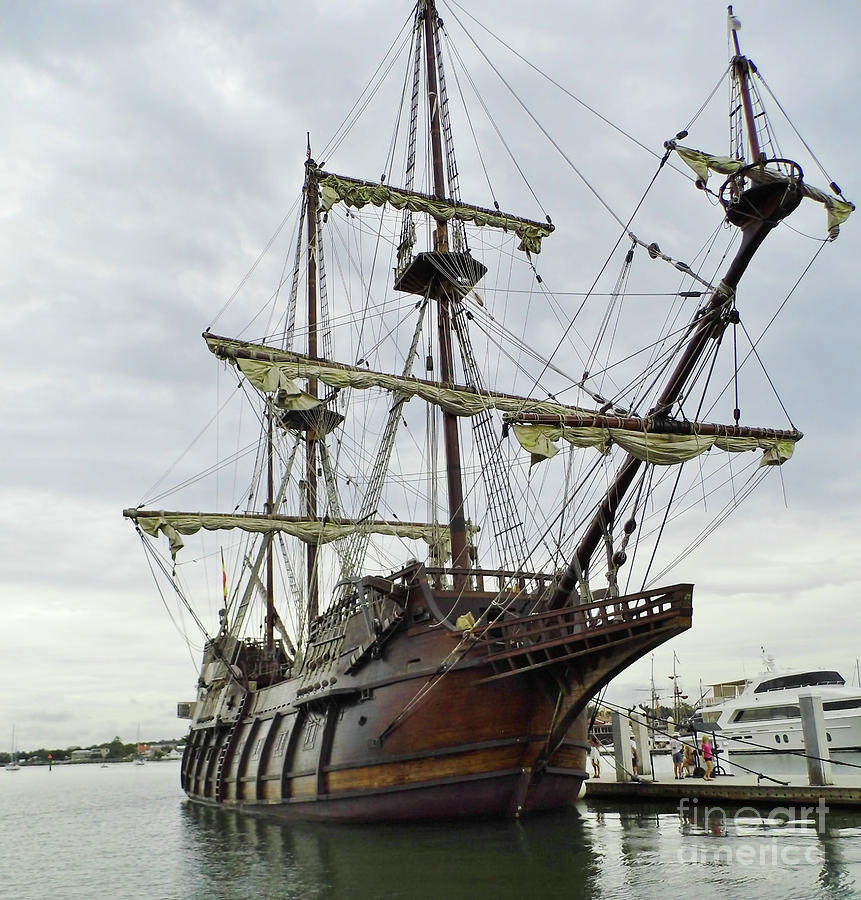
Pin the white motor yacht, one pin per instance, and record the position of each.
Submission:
(762, 715)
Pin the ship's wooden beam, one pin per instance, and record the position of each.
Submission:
(653, 425)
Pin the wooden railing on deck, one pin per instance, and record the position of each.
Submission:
(543, 638)
(598, 613)
(491, 580)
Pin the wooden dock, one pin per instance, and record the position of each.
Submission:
(736, 789)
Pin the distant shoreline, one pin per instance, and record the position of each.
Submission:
(42, 764)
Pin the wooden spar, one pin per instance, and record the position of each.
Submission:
(230, 349)
(653, 425)
(312, 579)
(461, 209)
(742, 70)
(709, 325)
(460, 558)
(136, 514)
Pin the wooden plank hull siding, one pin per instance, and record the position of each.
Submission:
(430, 722)
(463, 752)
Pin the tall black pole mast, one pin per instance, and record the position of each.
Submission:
(440, 293)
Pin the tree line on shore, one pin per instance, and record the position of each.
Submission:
(115, 750)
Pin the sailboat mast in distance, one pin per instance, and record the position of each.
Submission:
(12, 765)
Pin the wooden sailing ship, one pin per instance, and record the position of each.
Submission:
(454, 683)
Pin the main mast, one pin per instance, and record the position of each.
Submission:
(440, 292)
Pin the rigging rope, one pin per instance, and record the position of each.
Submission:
(755, 344)
(543, 130)
(834, 187)
(370, 89)
(623, 233)
(564, 90)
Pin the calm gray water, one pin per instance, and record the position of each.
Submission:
(128, 832)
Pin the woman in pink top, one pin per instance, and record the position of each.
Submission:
(708, 757)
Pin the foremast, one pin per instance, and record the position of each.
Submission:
(756, 211)
(741, 68)
(710, 325)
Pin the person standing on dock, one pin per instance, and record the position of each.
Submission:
(708, 757)
(678, 754)
(688, 763)
(595, 756)
(634, 758)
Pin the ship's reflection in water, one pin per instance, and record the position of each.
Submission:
(240, 855)
(587, 851)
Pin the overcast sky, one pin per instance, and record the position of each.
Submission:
(149, 151)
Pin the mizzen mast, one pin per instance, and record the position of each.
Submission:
(270, 506)
(310, 497)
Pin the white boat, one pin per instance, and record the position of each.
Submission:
(12, 765)
(762, 714)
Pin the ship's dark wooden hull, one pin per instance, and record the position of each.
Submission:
(426, 729)
(467, 750)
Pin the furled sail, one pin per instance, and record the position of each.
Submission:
(643, 439)
(702, 163)
(357, 193)
(272, 380)
(316, 531)
(267, 368)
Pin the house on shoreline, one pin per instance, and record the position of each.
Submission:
(90, 754)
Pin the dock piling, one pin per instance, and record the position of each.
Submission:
(622, 747)
(815, 739)
(640, 731)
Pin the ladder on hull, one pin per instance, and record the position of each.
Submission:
(226, 752)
